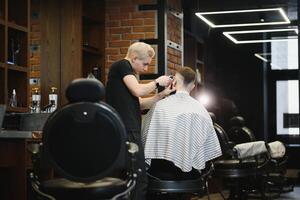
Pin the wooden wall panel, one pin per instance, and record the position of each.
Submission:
(71, 43)
(50, 47)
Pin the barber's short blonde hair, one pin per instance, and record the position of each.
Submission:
(141, 50)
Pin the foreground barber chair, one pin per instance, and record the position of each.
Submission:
(85, 143)
(241, 166)
(238, 132)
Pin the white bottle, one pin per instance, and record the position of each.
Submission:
(13, 99)
(53, 99)
(36, 100)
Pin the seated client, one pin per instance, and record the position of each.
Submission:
(178, 133)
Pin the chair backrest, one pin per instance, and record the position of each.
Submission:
(239, 133)
(84, 141)
(223, 139)
(222, 136)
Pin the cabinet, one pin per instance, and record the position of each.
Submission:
(93, 46)
(14, 52)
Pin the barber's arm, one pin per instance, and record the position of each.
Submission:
(148, 102)
(137, 89)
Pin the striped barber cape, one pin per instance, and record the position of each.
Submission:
(179, 129)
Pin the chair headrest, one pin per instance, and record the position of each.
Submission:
(83, 89)
(276, 149)
(213, 116)
(250, 149)
(237, 121)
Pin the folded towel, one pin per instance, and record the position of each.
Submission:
(250, 149)
(276, 149)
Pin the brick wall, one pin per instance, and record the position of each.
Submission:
(35, 37)
(124, 25)
(174, 34)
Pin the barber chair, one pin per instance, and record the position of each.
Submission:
(165, 188)
(275, 174)
(241, 172)
(239, 133)
(85, 144)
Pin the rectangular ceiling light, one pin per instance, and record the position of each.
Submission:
(229, 35)
(207, 17)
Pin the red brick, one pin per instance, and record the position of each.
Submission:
(119, 43)
(143, 14)
(112, 51)
(149, 21)
(116, 57)
(34, 74)
(113, 37)
(120, 30)
(133, 36)
(171, 65)
(150, 35)
(123, 50)
(125, 9)
(143, 29)
(115, 16)
(132, 22)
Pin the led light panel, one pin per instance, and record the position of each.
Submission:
(229, 35)
(280, 11)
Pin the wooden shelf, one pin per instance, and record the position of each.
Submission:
(17, 68)
(17, 109)
(17, 27)
(14, 52)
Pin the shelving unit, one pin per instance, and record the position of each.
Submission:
(93, 37)
(14, 52)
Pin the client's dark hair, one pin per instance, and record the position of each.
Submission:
(188, 75)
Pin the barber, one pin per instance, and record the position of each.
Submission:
(124, 93)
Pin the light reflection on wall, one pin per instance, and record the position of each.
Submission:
(287, 96)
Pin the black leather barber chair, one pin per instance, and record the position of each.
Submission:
(276, 180)
(164, 185)
(241, 173)
(238, 132)
(85, 143)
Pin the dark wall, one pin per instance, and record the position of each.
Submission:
(233, 72)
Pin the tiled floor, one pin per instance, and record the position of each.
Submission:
(295, 195)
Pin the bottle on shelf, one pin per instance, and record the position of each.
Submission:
(36, 100)
(13, 99)
(53, 99)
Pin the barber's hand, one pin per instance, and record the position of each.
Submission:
(163, 81)
(168, 90)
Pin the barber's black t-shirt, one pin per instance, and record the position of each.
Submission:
(119, 96)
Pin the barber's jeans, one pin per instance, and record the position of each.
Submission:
(141, 184)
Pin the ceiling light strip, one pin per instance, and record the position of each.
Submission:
(229, 34)
(210, 23)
